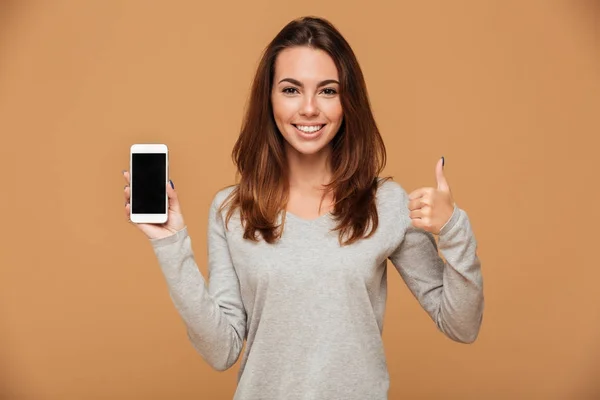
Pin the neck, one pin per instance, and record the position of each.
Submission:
(309, 172)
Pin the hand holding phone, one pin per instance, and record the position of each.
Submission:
(151, 202)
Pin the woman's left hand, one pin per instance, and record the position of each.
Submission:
(431, 208)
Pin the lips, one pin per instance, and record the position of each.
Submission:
(311, 134)
(309, 129)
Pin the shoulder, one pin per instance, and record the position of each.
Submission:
(392, 199)
(221, 196)
(390, 190)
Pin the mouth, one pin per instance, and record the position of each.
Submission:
(309, 130)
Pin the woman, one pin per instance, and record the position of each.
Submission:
(298, 248)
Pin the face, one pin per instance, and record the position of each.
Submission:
(306, 101)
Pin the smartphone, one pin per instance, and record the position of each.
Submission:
(148, 177)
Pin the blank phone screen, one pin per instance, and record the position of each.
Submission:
(148, 180)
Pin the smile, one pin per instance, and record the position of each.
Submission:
(309, 129)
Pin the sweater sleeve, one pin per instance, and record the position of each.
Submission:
(451, 291)
(213, 314)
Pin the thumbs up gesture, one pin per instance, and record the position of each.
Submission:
(431, 208)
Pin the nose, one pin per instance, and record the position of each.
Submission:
(309, 106)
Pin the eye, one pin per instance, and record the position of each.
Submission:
(329, 91)
(289, 90)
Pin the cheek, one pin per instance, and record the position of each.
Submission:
(282, 110)
(336, 116)
(334, 112)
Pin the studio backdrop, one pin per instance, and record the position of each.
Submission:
(507, 92)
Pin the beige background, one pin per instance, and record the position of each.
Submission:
(508, 91)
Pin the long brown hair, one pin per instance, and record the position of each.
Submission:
(358, 153)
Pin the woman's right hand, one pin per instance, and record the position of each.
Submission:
(174, 218)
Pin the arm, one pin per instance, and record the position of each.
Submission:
(214, 315)
(451, 292)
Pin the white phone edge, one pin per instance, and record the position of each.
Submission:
(148, 148)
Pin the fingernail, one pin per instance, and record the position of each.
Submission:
(171, 182)
(443, 161)
(122, 171)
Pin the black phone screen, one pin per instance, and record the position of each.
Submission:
(148, 180)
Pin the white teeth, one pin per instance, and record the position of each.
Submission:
(309, 129)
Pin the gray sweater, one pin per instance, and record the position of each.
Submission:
(311, 312)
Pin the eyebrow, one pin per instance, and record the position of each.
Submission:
(298, 83)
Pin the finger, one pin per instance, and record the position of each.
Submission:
(420, 213)
(418, 223)
(442, 183)
(419, 203)
(173, 198)
(414, 204)
(126, 176)
(421, 223)
(424, 212)
(418, 193)
(126, 193)
(127, 211)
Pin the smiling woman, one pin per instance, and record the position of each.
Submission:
(309, 300)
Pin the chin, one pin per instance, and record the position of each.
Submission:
(308, 150)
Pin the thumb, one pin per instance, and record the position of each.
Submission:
(173, 199)
(442, 183)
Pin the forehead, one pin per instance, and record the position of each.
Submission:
(305, 64)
